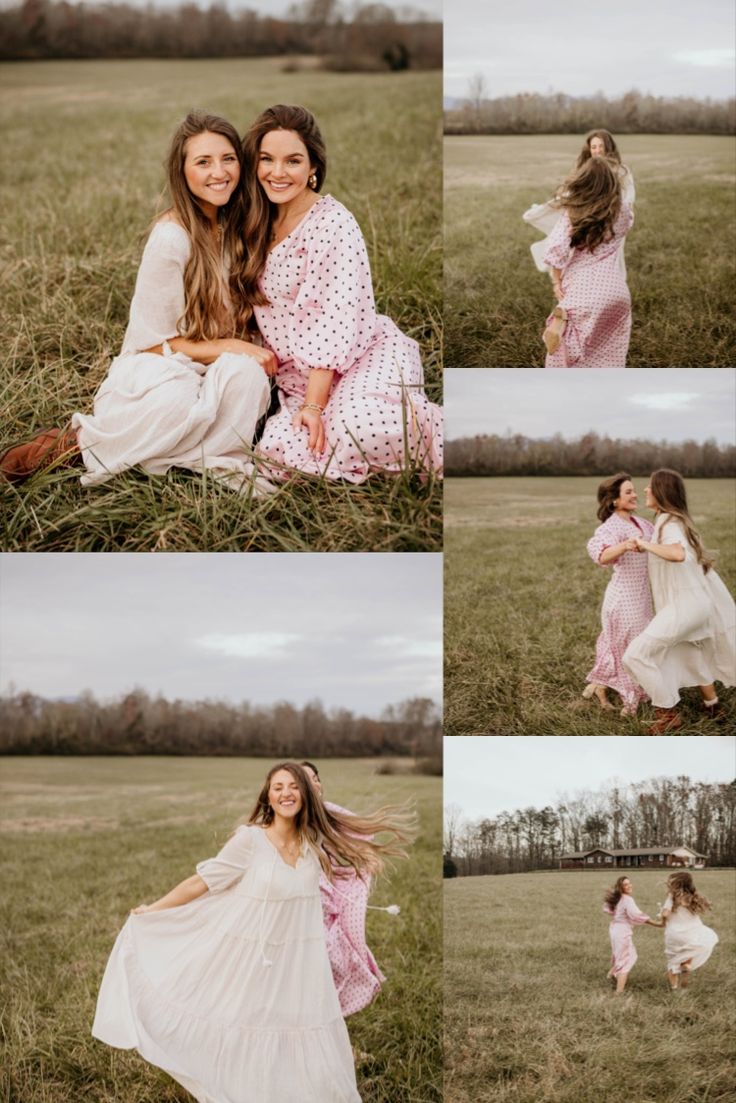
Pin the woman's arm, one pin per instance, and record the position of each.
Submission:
(184, 893)
(673, 553)
(655, 923)
(319, 382)
(555, 274)
(615, 551)
(206, 352)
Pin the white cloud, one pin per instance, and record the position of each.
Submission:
(250, 645)
(668, 400)
(404, 646)
(711, 58)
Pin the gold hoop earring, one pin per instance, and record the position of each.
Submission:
(313, 181)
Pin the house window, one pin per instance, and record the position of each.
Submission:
(661, 857)
(608, 858)
(590, 860)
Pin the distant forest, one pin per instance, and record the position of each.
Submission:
(139, 724)
(657, 812)
(557, 113)
(591, 454)
(372, 39)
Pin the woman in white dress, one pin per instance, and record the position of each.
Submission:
(688, 943)
(186, 390)
(691, 640)
(225, 982)
(545, 216)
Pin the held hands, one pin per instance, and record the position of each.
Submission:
(311, 420)
(264, 356)
(641, 545)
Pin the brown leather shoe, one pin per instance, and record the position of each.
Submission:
(665, 720)
(51, 448)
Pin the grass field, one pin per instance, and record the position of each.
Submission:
(679, 255)
(86, 141)
(529, 1015)
(85, 839)
(523, 599)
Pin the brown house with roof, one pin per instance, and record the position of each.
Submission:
(650, 857)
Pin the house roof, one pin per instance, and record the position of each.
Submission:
(633, 852)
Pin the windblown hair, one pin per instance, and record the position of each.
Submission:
(608, 492)
(206, 311)
(260, 211)
(611, 149)
(612, 896)
(340, 839)
(668, 491)
(592, 197)
(685, 895)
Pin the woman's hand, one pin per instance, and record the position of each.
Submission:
(630, 544)
(311, 420)
(641, 545)
(140, 909)
(264, 356)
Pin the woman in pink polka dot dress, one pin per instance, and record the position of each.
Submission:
(591, 325)
(627, 604)
(620, 905)
(355, 972)
(350, 383)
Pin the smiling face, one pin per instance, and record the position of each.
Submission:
(284, 166)
(313, 778)
(626, 886)
(211, 170)
(627, 500)
(597, 147)
(651, 501)
(284, 794)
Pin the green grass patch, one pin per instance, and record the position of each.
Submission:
(86, 839)
(523, 600)
(87, 141)
(679, 255)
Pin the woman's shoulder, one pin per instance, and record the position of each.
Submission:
(167, 231)
(329, 217)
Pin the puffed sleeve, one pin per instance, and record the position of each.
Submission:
(599, 541)
(231, 863)
(333, 320)
(158, 299)
(558, 253)
(672, 532)
(633, 913)
(667, 906)
(628, 189)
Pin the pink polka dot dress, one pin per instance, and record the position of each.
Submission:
(627, 605)
(624, 917)
(595, 296)
(322, 315)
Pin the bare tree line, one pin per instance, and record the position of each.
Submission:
(373, 38)
(590, 454)
(139, 723)
(557, 113)
(656, 812)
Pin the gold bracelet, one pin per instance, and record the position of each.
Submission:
(312, 406)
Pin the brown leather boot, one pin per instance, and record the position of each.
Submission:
(51, 448)
(665, 720)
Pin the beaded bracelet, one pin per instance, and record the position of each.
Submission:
(312, 406)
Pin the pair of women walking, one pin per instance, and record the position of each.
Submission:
(251, 276)
(668, 620)
(688, 942)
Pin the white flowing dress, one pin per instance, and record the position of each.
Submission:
(686, 938)
(545, 216)
(159, 412)
(232, 994)
(691, 640)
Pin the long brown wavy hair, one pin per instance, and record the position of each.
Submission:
(668, 490)
(608, 492)
(206, 312)
(592, 197)
(340, 839)
(609, 145)
(684, 894)
(613, 895)
(260, 212)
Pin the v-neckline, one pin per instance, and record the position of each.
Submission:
(298, 226)
(279, 855)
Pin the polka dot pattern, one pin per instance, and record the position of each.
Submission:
(595, 296)
(322, 314)
(627, 605)
(354, 970)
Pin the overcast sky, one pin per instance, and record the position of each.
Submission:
(281, 7)
(491, 774)
(357, 631)
(680, 404)
(666, 47)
